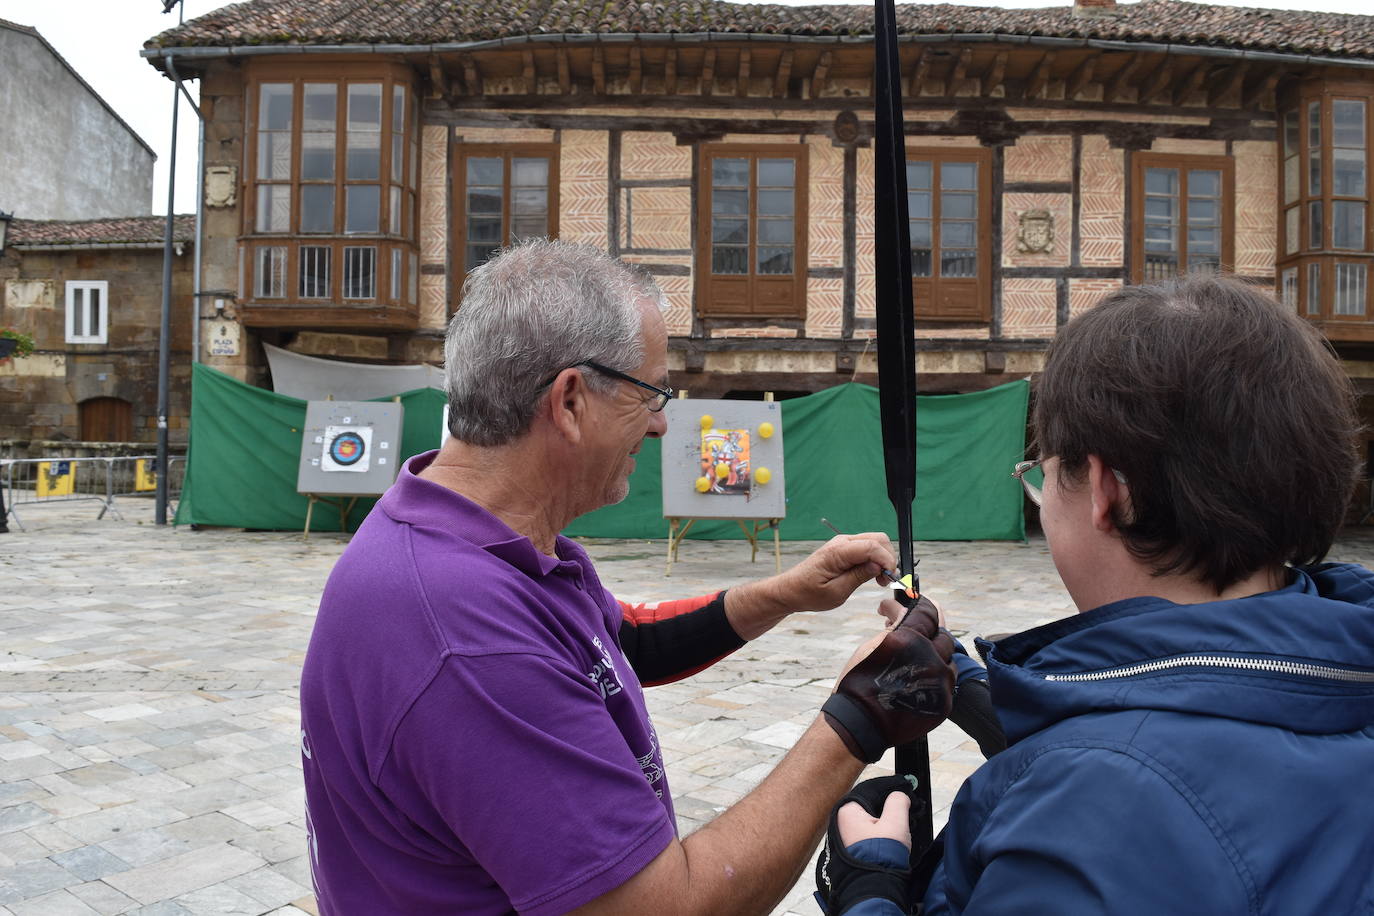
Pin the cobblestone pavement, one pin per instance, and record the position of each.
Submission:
(149, 755)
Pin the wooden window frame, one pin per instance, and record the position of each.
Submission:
(459, 178)
(964, 299)
(1184, 162)
(389, 237)
(752, 295)
(1325, 256)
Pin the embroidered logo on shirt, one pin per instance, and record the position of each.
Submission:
(603, 674)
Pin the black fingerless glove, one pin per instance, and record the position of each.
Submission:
(902, 690)
(843, 880)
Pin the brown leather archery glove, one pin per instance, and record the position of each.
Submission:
(900, 691)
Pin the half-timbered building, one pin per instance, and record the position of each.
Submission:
(361, 158)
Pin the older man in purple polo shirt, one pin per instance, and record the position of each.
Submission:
(474, 733)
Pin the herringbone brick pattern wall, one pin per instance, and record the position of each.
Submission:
(1039, 159)
(434, 221)
(582, 187)
(1028, 307)
(1256, 211)
(1084, 294)
(1102, 189)
(646, 156)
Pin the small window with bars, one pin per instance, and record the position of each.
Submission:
(360, 272)
(1352, 289)
(269, 272)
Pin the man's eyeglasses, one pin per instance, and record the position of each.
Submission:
(656, 403)
(1033, 492)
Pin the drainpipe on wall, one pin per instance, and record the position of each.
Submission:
(200, 238)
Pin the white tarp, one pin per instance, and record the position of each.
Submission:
(313, 379)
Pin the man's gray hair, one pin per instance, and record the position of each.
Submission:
(535, 309)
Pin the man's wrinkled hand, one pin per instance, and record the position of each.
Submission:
(830, 575)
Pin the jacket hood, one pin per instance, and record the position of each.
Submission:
(1301, 658)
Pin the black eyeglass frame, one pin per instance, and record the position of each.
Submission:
(655, 404)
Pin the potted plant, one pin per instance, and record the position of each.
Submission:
(15, 343)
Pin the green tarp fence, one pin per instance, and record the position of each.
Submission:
(833, 453)
(245, 451)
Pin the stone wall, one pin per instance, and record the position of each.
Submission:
(66, 155)
(40, 394)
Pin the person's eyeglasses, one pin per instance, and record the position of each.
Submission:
(656, 403)
(1033, 492)
(1036, 494)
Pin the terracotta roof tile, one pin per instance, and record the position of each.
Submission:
(112, 231)
(260, 22)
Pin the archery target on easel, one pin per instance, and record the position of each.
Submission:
(347, 448)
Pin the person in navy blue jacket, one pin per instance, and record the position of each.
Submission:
(1200, 737)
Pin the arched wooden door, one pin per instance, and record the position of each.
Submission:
(106, 420)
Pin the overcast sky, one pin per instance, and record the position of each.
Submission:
(101, 40)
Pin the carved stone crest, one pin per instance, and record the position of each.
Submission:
(1036, 235)
(221, 182)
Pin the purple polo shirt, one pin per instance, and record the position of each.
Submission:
(473, 739)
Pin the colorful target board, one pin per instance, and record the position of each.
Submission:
(349, 448)
(723, 459)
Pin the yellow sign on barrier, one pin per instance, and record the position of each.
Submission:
(145, 475)
(56, 478)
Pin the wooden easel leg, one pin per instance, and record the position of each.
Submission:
(777, 547)
(672, 530)
(753, 539)
(309, 511)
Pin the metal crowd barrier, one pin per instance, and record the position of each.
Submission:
(32, 482)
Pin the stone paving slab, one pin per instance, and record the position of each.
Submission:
(149, 758)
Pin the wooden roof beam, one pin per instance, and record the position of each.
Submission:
(818, 75)
(1156, 86)
(529, 75)
(636, 71)
(670, 72)
(957, 72)
(708, 72)
(1229, 84)
(439, 87)
(918, 72)
(1040, 78)
(1192, 82)
(1081, 77)
(1111, 91)
(472, 75)
(564, 72)
(784, 73)
(598, 70)
(995, 74)
(742, 78)
(1262, 89)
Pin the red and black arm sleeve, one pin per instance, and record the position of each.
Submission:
(671, 640)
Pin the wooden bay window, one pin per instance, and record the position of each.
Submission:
(1325, 139)
(332, 174)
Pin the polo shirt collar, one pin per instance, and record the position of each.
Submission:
(415, 501)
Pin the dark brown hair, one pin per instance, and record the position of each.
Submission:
(1228, 415)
